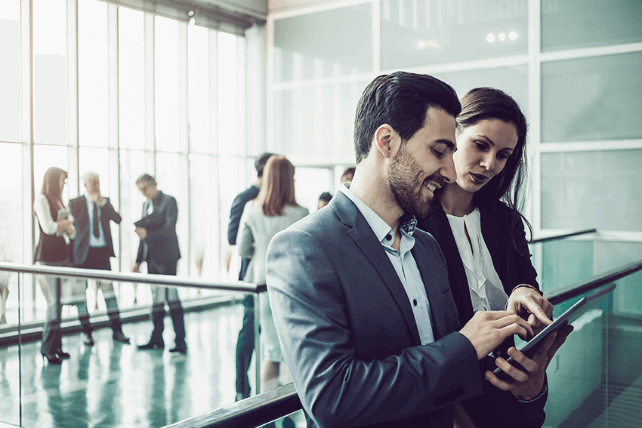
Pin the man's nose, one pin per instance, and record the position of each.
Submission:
(448, 170)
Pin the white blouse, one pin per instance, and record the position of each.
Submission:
(486, 290)
(48, 224)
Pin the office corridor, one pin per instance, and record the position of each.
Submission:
(114, 385)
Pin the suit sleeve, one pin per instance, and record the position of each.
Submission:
(526, 273)
(235, 218)
(168, 228)
(336, 388)
(108, 212)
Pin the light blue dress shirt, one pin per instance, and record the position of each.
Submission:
(93, 241)
(403, 262)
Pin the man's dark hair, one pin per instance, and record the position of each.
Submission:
(400, 100)
(260, 162)
(148, 178)
(325, 196)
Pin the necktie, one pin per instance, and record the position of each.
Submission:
(96, 228)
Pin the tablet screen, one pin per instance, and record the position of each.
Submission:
(569, 316)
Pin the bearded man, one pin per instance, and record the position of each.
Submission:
(360, 298)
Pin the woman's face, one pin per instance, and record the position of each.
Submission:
(62, 182)
(482, 151)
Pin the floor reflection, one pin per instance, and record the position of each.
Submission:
(114, 385)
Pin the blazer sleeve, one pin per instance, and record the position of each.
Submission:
(168, 229)
(525, 272)
(336, 388)
(235, 218)
(245, 241)
(109, 212)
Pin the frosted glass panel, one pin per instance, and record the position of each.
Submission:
(167, 84)
(10, 70)
(309, 183)
(419, 33)
(512, 80)
(11, 240)
(199, 89)
(580, 23)
(331, 43)
(131, 83)
(592, 98)
(316, 120)
(592, 189)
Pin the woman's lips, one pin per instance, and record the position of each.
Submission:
(478, 178)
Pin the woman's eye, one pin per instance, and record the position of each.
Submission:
(503, 156)
(480, 145)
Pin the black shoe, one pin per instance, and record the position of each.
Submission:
(152, 345)
(179, 348)
(90, 340)
(118, 336)
(62, 354)
(52, 358)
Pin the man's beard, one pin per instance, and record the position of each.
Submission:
(404, 179)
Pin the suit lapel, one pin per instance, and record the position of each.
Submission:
(362, 234)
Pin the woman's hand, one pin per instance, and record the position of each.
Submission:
(530, 305)
(528, 384)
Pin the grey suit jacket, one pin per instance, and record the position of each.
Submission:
(78, 208)
(161, 245)
(347, 329)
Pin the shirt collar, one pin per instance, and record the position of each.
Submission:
(377, 224)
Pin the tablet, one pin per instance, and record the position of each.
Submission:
(570, 315)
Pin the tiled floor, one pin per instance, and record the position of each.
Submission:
(115, 385)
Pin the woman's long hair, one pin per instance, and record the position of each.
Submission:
(51, 187)
(490, 103)
(277, 190)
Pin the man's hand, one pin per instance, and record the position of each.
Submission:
(141, 232)
(487, 330)
(530, 305)
(96, 197)
(136, 267)
(528, 385)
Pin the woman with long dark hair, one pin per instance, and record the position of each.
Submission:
(56, 226)
(274, 210)
(477, 223)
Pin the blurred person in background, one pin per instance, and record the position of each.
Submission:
(348, 175)
(274, 210)
(245, 341)
(93, 245)
(324, 199)
(56, 225)
(159, 248)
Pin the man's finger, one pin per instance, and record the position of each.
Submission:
(535, 309)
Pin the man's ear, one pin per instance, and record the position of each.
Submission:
(386, 141)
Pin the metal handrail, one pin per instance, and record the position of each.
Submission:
(561, 236)
(261, 409)
(582, 287)
(140, 278)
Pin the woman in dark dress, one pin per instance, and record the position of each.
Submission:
(481, 232)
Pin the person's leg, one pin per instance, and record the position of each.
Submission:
(51, 335)
(83, 316)
(269, 376)
(158, 316)
(112, 311)
(244, 349)
(176, 312)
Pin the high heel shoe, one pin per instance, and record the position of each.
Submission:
(51, 358)
(90, 339)
(62, 354)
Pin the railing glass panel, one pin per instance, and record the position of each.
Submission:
(113, 384)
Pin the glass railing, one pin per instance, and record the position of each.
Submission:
(594, 380)
(111, 383)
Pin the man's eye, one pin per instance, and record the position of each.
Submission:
(437, 153)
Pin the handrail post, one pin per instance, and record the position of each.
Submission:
(257, 343)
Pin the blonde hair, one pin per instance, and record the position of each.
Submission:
(277, 190)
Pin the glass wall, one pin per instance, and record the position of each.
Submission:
(572, 66)
(120, 92)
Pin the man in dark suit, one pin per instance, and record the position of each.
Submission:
(360, 298)
(159, 248)
(245, 342)
(93, 246)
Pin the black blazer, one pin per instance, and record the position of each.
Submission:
(78, 208)
(161, 244)
(495, 408)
